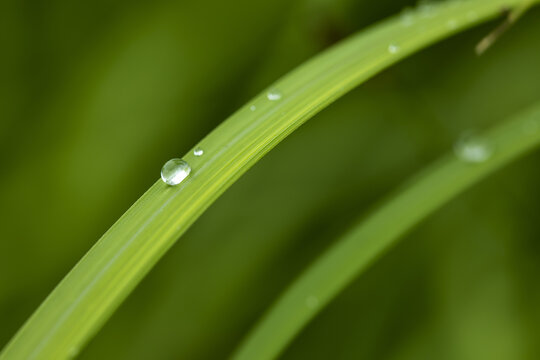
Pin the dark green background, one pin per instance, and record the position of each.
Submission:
(96, 95)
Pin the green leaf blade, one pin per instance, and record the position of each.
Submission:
(368, 240)
(86, 298)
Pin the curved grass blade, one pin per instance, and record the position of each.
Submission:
(105, 276)
(339, 265)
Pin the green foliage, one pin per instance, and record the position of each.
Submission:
(339, 265)
(139, 99)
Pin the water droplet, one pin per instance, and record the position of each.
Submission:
(175, 171)
(198, 151)
(393, 48)
(274, 95)
(473, 149)
(312, 302)
(252, 108)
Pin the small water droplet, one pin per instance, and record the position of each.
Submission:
(175, 171)
(198, 151)
(473, 149)
(274, 95)
(252, 108)
(312, 302)
(393, 48)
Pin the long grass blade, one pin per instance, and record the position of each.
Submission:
(368, 240)
(104, 277)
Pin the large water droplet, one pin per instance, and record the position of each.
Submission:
(274, 95)
(473, 149)
(393, 48)
(198, 151)
(175, 171)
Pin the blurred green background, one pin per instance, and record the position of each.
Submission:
(96, 95)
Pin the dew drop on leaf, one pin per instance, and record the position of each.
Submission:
(252, 108)
(175, 171)
(274, 95)
(473, 149)
(393, 48)
(198, 151)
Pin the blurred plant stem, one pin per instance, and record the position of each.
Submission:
(513, 16)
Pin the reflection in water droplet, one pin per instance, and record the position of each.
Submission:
(473, 149)
(312, 302)
(393, 48)
(274, 95)
(198, 151)
(175, 171)
(252, 108)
